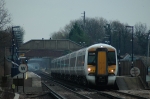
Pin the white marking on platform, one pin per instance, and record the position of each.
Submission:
(16, 96)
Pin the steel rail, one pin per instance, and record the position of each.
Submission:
(78, 94)
(53, 93)
(86, 97)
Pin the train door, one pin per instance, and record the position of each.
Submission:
(101, 66)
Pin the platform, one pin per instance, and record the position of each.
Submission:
(148, 80)
(31, 82)
(129, 83)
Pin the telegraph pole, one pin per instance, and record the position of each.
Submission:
(83, 20)
(109, 31)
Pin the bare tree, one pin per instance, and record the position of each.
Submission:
(4, 15)
(5, 43)
(63, 33)
(142, 36)
(59, 35)
(94, 28)
(140, 28)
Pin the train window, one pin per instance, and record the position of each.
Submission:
(80, 60)
(72, 62)
(111, 58)
(91, 58)
(60, 63)
(67, 62)
(66, 59)
(83, 59)
(63, 63)
(57, 65)
(148, 70)
(52, 66)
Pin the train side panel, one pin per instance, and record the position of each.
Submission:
(66, 64)
(80, 71)
(72, 63)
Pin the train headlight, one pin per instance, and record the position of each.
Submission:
(112, 70)
(89, 69)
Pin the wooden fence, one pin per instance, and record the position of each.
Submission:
(125, 67)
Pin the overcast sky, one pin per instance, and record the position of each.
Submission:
(40, 18)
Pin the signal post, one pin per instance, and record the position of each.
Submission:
(23, 68)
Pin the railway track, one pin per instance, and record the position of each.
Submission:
(61, 92)
(52, 92)
(70, 91)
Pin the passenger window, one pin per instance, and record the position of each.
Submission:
(91, 58)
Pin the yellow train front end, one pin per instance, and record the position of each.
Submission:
(102, 66)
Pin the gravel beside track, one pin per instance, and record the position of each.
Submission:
(68, 91)
(62, 91)
(114, 94)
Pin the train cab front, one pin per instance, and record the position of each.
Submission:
(102, 66)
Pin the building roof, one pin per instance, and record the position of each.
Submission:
(44, 53)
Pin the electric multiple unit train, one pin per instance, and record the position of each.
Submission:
(96, 64)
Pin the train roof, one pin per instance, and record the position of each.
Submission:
(100, 45)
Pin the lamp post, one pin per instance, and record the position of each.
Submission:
(148, 37)
(119, 51)
(132, 43)
(14, 50)
(119, 39)
(4, 56)
(108, 30)
(14, 29)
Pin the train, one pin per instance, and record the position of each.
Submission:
(93, 65)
